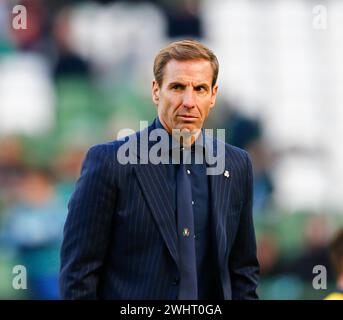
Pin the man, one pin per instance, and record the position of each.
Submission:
(164, 230)
(336, 254)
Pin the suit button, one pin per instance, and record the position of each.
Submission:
(176, 281)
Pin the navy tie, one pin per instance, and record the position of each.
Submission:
(185, 228)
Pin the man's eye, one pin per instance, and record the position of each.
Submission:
(177, 86)
(200, 88)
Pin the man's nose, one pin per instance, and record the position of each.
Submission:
(189, 99)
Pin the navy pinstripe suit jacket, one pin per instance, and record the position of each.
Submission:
(120, 237)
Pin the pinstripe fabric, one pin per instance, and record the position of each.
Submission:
(120, 239)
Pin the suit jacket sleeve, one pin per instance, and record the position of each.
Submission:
(244, 266)
(87, 228)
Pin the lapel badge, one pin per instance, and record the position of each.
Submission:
(226, 174)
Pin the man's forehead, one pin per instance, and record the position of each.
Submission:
(190, 65)
(186, 80)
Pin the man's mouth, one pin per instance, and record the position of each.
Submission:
(187, 117)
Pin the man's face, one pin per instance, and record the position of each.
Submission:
(186, 95)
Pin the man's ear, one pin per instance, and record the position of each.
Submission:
(214, 95)
(155, 92)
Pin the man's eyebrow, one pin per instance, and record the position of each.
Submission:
(202, 84)
(176, 83)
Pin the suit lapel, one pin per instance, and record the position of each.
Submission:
(157, 192)
(153, 181)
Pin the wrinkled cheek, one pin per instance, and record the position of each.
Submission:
(174, 109)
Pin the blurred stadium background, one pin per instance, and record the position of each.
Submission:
(82, 71)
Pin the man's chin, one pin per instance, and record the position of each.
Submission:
(189, 133)
(189, 130)
(190, 127)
